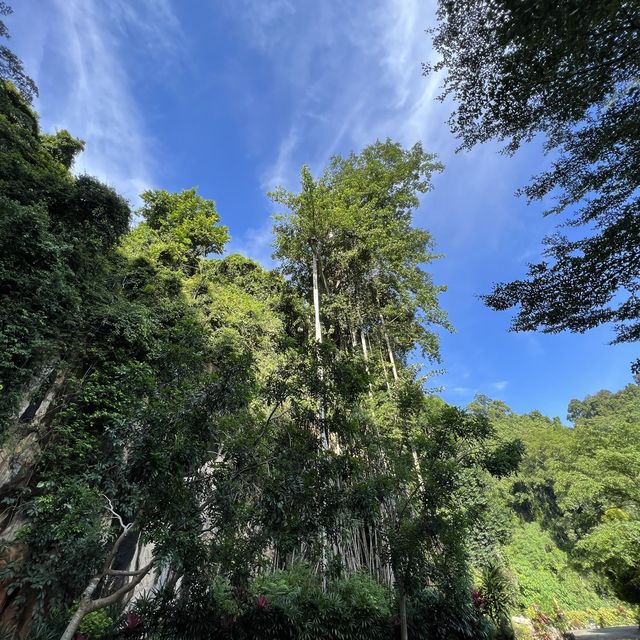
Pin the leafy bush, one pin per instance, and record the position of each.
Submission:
(282, 605)
(602, 617)
(497, 593)
(614, 616)
(522, 631)
(579, 619)
(434, 615)
(290, 604)
(293, 604)
(96, 624)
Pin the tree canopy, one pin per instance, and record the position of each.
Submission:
(568, 71)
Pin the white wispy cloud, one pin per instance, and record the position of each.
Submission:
(463, 391)
(353, 73)
(86, 86)
(279, 173)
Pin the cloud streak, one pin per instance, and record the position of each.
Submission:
(82, 45)
(352, 73)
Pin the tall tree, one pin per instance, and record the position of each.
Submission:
(348, 239)
(570, 71)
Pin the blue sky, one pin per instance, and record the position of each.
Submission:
(232, 96)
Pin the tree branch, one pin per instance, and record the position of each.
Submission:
(100, 603)
(114, 512)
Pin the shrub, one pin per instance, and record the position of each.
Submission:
(96, 624)
(294, 606)
(602, 617)
(280, 606)
(497, 593)
(578, 619)
(614, 616)
(434, 615)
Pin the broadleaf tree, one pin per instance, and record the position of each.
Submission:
(568, 71)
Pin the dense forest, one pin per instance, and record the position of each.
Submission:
(194, 446)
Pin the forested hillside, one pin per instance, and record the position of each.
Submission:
(194, 446)
(573, 504)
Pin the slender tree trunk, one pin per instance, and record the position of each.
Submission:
(316, 299)
(404, 633)
(318, 337)
(324, 435)
(365, 351)
(365, 355)
(392, 359)
(83, 608)
(87, 605)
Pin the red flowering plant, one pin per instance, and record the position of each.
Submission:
(133, 621)
(478, 600)
(262, 602)
(541, 624)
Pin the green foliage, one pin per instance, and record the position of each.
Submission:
(354, 607)
(598, 492)
(285, 604)
(573, 505)
(545, 574)
(50, 626)
(497, 593)
(356, 219)
(11, 69)
(291, 604)
(570, 71)
(147, 377)
(63, 147)
(54, 230)
(583, 619)
(191, 396)
(96, 625)
(96, 208)
(522, 631)
(613, 548)
(448, 613)
(179, 229)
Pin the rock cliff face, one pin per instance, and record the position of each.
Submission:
(19, 454)
(142, 555)
(21, 445)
